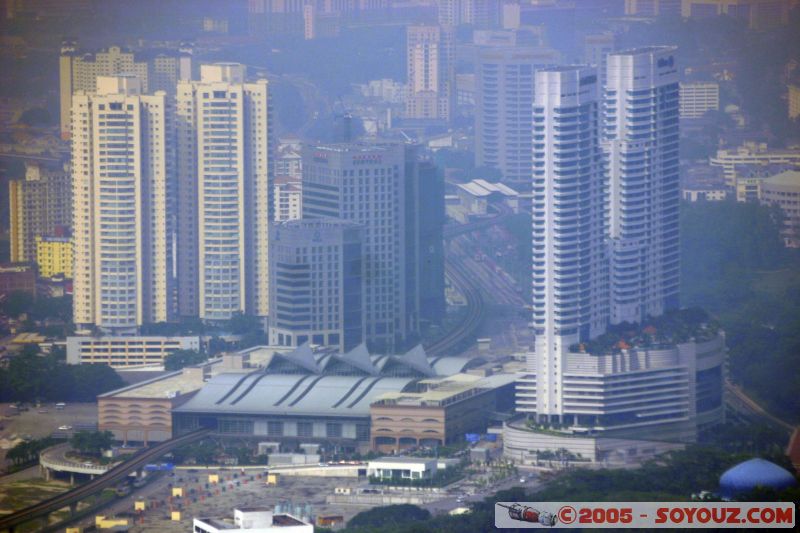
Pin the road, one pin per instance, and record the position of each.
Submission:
(743, 403)
(448, 504)
(107, 480)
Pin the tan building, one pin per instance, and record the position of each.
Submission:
(752, 154)
(121, 175)
(120, 352)
(444, 410)
(40, 204)
(431, 74)
(783, 190)
(794, 100)
(17, 277)
(697, 98)
(142, 413)
(156, 70)
(759, 14)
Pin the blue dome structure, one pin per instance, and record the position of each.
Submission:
(746, 476)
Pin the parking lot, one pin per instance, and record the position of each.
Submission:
(42, 421)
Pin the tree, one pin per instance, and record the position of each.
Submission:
(241, 323)
(181, 358)
(36, 116)
(388, 516)
(91, 442)
(17, 303)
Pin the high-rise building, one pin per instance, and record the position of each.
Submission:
(596, 48)
(504, 109)
(40, 204)
(478, 13)
(642, 132)
(697, 98)
(605, 250)
(425, 218)
(122, 171)
(288, 198)
(367, 184)
(570, 289)
(431, 73)
(158, 70)
(225, 194)
(316, 270)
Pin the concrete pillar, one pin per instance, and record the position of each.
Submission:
(71, 479)
(73, 508)
(46, 474)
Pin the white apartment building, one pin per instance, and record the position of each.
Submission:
(288, 198)
(752, 154)
(223, 130)
(570, 293)
(316, 267)
(157, 71)
(365, 183)
(431, 74)
(121, 172)
(697, 98)
(642, 132)
(504, 103)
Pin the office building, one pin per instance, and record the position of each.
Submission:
(225, 194)
(54, 256)
(478, 13)
(40, 204)
(122, 170)
(504, 107)
(783, 190)
(570, 290)
(431, 72)
(365, 183)
(157, 70)
(316, 270)
(642, 133)
(697, 98)
(425, 219)
(288, 198)
(120, 352)
(752, 154)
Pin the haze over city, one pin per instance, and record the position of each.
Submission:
(398, 265)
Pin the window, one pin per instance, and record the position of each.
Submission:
(333, 430)
(305, 429)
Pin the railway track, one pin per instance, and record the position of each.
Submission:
(461, 279)
(110, 478)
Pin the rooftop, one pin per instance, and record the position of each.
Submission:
(444, 391)
(181, 382)
(789, 178)
(667, 330)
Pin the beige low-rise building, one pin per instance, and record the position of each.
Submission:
(783, 190)
(120, 351)
(142, 413)
(442, 413)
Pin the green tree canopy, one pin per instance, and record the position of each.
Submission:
(182, 358)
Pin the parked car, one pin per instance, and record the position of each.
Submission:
(64, 428)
